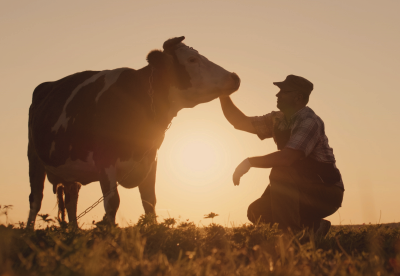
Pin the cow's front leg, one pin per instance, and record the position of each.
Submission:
(108, 183)
(147, 191)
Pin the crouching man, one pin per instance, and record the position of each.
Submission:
(305, 184)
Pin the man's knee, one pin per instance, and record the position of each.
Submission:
(259, 211)
(252, 213)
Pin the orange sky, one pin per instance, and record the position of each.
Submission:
(348, 49)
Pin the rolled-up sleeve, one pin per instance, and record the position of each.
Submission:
(305, 136)
(263, 125)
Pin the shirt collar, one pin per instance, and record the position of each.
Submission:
(299, 113)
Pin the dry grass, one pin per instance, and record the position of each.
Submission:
(173, 248)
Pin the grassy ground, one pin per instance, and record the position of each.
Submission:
(181, 248)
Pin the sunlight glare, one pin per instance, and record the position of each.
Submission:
(199, 157)
(199, 160)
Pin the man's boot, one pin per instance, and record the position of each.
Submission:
(323, 229)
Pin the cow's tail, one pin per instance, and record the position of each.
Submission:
(61, 203)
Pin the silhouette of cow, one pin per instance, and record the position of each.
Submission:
(108, 125)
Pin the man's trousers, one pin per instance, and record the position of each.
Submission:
(295, 200)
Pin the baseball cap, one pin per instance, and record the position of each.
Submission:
(293, 82)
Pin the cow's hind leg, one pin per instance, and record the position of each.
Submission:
(148, 192)
(37, 175)
(71, 190)
(108, 183)
(60, 200)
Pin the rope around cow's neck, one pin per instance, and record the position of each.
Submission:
(150, 92)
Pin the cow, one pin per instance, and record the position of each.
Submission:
(107, 125)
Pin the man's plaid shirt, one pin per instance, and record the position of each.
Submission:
(307, 132)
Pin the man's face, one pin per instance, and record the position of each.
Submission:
(286, 99)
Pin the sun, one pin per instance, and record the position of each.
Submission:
(198, 160)
(200, 157)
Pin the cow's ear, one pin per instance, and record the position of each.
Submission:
(156, 58)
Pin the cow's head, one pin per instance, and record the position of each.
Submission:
(194, 79)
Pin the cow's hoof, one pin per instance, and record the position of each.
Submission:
(73, 226)
(30, 227)
(63, 224)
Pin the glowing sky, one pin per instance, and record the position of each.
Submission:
(348, 49)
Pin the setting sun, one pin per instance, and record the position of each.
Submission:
(199, 159)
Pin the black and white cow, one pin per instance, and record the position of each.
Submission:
(108, 125)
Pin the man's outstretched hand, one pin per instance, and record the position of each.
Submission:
(240, 170)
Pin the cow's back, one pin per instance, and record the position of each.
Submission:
(97, 115)
(60, 89)
(48, 101)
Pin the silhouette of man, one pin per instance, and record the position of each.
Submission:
(305, 184)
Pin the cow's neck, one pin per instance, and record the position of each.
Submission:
(158, 91)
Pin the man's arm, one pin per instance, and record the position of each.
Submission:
(235, 116)
(283, 158)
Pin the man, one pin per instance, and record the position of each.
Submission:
(305, 185)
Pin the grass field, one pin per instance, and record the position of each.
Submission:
(171, 247)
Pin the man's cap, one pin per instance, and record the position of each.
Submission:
(298, 83)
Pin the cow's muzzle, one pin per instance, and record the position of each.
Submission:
(236, 81)
(234, 84)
